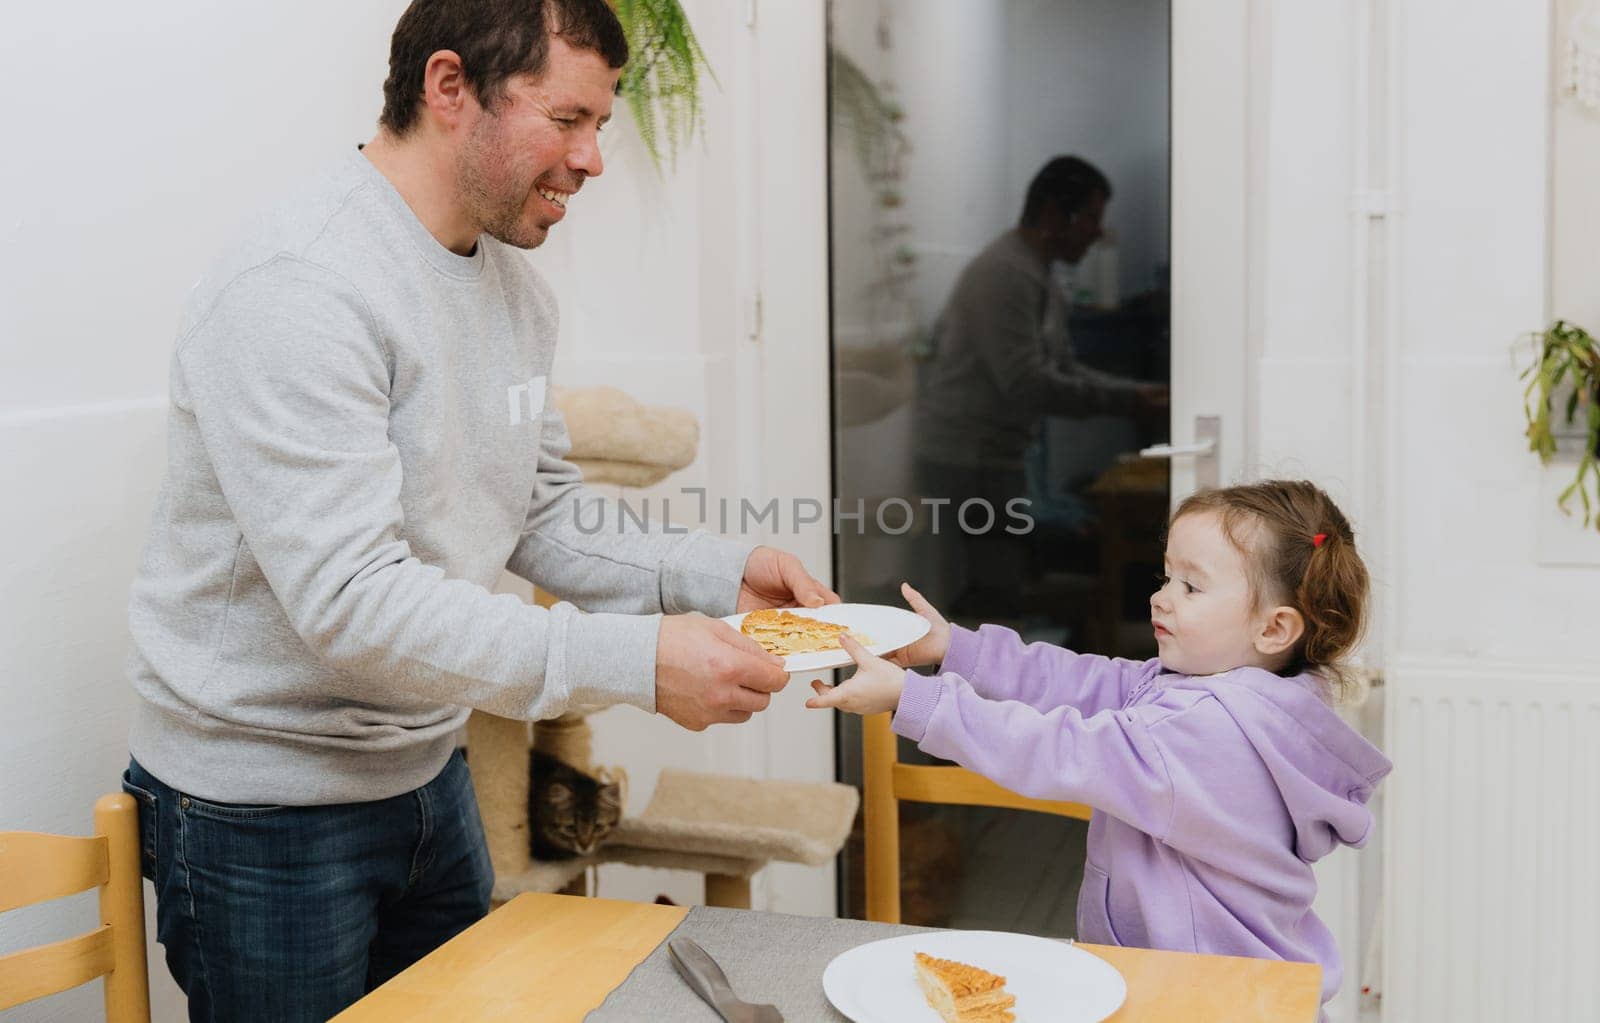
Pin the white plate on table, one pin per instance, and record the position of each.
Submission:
(889, 628)
(1054, 982)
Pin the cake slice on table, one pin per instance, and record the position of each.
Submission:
(964, 994)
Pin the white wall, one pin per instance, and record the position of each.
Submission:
(1474, 259)
(150, 131)
(1574, 200)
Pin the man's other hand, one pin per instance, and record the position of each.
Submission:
(774, 578)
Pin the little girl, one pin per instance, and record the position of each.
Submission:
(1218, 771)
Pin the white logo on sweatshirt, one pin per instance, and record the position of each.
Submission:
(533, 392)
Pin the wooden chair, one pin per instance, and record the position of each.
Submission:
(37, 868)
(886, 781)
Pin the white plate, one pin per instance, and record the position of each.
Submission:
(889, 628)
(1053, 981)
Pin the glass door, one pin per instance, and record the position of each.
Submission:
(999, 232)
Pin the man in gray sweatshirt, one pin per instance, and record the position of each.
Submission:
(358, 445)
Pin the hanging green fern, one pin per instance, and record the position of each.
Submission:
(1565, 368)
(661, 81)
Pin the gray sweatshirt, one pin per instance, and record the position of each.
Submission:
(358, 444)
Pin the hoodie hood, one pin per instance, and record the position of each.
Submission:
(1324, 769)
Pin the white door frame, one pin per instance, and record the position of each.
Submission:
(784, 416)
(1214, 173)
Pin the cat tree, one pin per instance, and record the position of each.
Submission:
(724, 827)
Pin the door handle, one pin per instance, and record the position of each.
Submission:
(1205, 450)
(1178, 450)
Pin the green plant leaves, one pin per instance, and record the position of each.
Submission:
(1565, 355)
(661, 81)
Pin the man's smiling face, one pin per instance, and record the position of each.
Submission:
(526, 154)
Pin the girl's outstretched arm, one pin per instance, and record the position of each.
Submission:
(997, 664)
(1107, 760)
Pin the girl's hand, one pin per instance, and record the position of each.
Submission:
(873, 689)
(930, 649)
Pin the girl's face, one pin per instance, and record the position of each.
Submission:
(1204, 618)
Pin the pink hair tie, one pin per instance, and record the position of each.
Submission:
(1318, 540)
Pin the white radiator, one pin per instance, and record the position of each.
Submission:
(1492, 849)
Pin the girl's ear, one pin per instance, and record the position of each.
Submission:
(1280, 630)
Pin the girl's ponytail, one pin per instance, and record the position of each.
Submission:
(1332, 598)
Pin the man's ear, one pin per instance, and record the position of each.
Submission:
(445, 91)
(1280, 631)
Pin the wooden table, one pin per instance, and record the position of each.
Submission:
(553, 958)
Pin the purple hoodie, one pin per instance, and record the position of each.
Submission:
(1212, 796)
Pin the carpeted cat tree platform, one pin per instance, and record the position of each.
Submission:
(722, 826)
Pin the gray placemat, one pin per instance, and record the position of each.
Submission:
(768, 957)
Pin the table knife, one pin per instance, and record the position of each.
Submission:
(706, 978)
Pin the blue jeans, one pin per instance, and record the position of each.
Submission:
(291, 913)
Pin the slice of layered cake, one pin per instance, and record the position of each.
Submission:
(784, 633)
(964, 994)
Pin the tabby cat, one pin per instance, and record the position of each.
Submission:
(570, 812)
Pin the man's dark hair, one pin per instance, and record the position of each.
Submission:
(496, 39)
(1069, 182)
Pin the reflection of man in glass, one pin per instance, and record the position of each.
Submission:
(1000, 363)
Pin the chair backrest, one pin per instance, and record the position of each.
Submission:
(37, 868)
(886, 781)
